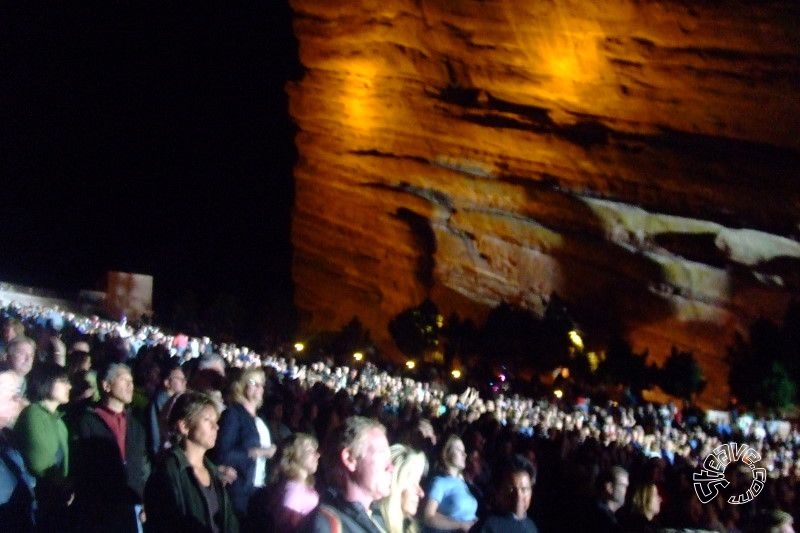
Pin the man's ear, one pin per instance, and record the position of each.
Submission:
(348, 460)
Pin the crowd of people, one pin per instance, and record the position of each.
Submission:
(112, 427)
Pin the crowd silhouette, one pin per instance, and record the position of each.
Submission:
(111, 426)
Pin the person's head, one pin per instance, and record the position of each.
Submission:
(299, 458)
(11, 399)
(193, 421)
(406, 492)
(49, 381)
(249, 387)
(360, 460)
(772, 521)
(173, 379)
(516, 480)
(56, 350)
(117, 385)
(646, 501)
(12, 328)
(78, 360)
(80, 346)
(454, 455)
(212, 361)
(612, 486)
(20, 355)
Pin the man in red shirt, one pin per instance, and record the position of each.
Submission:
(111, 461)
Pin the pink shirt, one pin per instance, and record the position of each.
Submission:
(299, 497)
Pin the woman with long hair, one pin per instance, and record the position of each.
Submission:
(399, 509)
(450, 505)
(645, 506)
(244, 440)
(292, 494)
(184, 493)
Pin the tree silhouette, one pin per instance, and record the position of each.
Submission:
(624, 367)
(681, 376)
(462, 338)
(416, 329)
(764, 369)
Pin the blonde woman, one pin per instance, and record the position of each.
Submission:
(450, 506)
(244, 441)
(400, 508)
(293, 495)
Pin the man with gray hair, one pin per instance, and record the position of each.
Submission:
(359, 469)
(111, 465)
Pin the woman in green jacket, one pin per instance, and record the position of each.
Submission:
(43, 441)
(185, 493)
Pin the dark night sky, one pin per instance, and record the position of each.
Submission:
(151, 139)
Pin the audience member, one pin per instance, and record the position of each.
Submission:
(292, 495)
(645, 506)
(399, 509)
(173, 384)
(20, 354)
(450, 505)
(17, 496)
(44, 444)
(359, 467)
(185, 493)
(244, 441)
(111, 460)
(515, 482)
(611, 487)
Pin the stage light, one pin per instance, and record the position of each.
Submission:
(299, 346)
(410, 364)
(358, 356)
(456, 373)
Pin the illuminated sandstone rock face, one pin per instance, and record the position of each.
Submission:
(638, 159)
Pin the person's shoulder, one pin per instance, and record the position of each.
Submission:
(504, 523)
(324, 518)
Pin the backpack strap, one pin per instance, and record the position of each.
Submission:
(334, 522)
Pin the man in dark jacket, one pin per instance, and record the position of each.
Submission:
(111, 460)
(360, 466)
(515, 481)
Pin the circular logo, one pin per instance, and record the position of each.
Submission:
(712, 476)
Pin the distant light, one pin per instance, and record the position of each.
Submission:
(358, 356)
(502, 377)
(456, 373)
(576, 339)
(410, 364)
(594, 361)
(299, 346)
(558, 394)
(565, 373)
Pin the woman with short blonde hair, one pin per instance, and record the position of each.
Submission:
(244, 441)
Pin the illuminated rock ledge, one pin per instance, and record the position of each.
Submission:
(639, 159)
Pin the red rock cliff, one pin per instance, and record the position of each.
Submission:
(639, 159)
